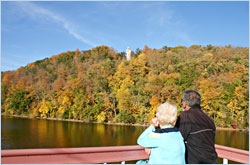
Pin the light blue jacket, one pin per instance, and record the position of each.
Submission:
(167, 148)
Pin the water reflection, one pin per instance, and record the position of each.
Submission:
(23, 133)
(235, 139)
(20, 133)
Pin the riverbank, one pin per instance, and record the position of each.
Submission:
(108, 123)
(75, 120)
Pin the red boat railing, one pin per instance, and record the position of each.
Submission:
(234, 154)
(94, 155)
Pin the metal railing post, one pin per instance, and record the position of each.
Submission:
(225, 161)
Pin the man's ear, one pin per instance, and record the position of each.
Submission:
(184, 104)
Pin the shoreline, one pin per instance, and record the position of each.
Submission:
(75, 120)
(107, 123)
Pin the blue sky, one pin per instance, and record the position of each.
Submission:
(32, 31)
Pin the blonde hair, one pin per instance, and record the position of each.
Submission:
(166, 114)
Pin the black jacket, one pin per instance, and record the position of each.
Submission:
(198, 131)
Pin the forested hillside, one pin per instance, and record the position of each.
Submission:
(101, 85)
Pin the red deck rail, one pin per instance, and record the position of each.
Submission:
(93, 155)
(233, 154)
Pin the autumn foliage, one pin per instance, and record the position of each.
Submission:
(101, 85)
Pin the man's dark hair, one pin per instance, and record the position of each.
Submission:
(192, 98)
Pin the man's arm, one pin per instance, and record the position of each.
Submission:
(184, 124)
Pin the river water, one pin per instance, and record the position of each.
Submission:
(24, 133)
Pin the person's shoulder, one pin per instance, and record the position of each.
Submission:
(187, 113)
(201, 112)
(183, 115)
(174, 137)
(190, 114)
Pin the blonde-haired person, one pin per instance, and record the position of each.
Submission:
(166, 144)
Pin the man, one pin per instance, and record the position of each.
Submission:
(198, 130)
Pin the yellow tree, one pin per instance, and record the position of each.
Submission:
(210, 93)
(239, 106)
(47, 108)
(44, 109)
(65, 102)
(154, 102)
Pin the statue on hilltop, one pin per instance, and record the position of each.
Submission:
(129, 53)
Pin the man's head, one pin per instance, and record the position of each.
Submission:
(166, 114)
(191, 98)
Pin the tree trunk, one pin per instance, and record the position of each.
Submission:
(114, 106)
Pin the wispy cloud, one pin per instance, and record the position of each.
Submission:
(163, 17)
(160, 14)
(37, 11)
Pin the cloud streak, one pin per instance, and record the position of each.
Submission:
(163, 17)
(37, 11)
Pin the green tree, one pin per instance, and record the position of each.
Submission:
(18, 102)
